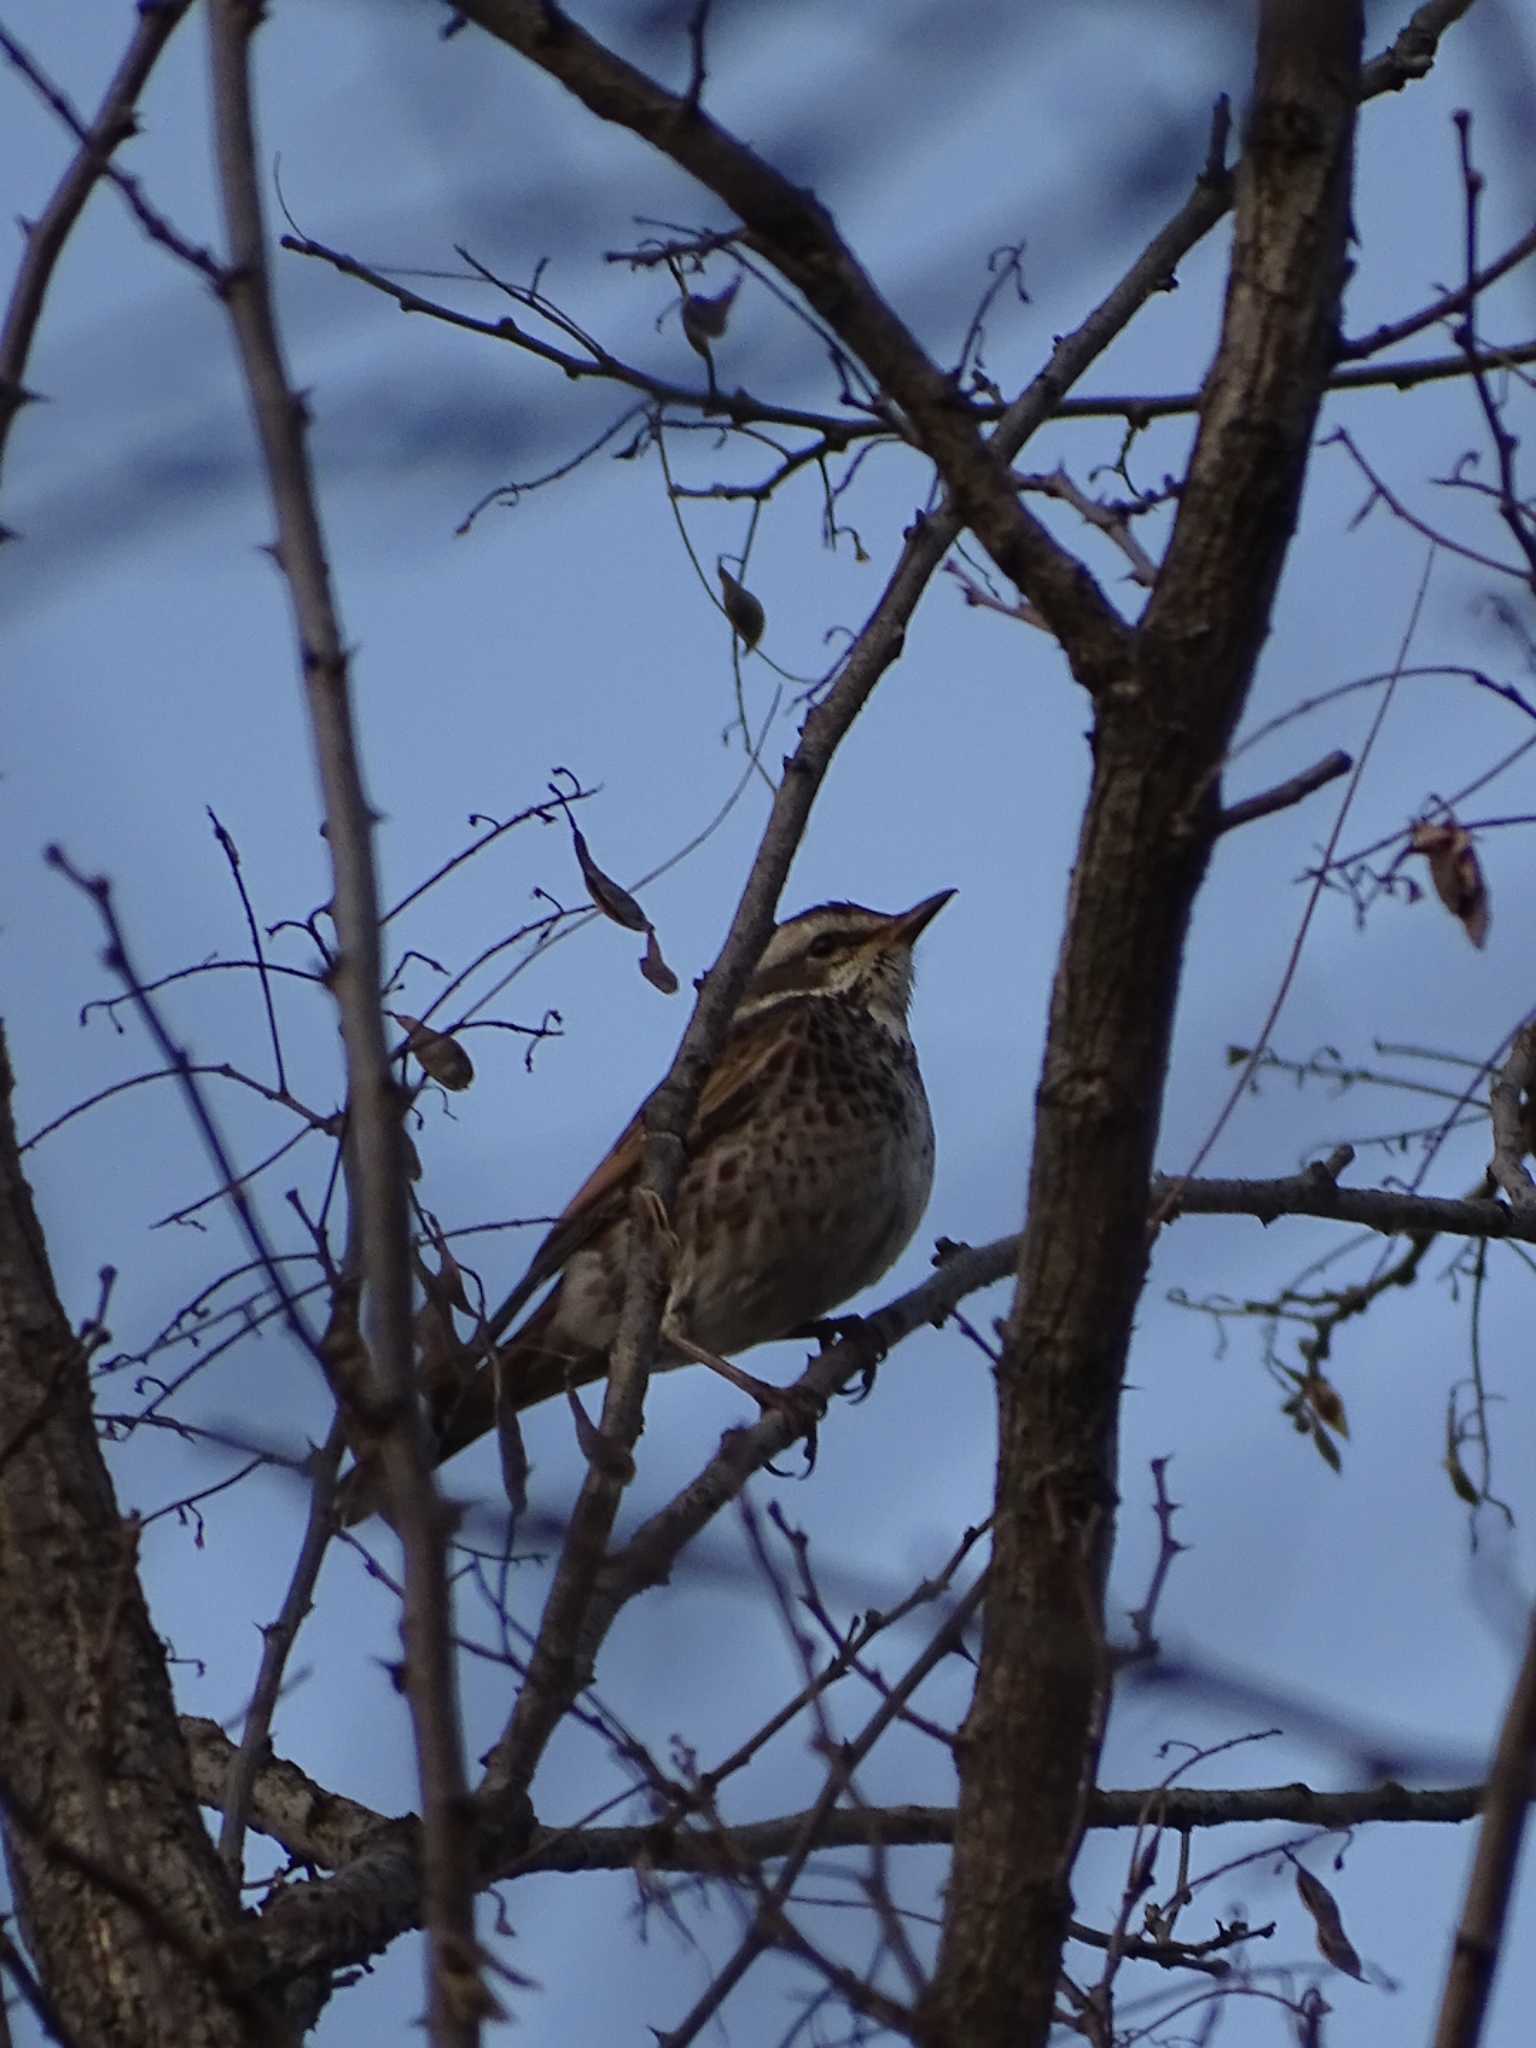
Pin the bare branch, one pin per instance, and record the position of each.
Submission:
(796, 233)
(375, 1140)
(1031, 1737)
(326, 1829)
(132, 1874)
(1412, 53)
(278, 1640)
(1510, 1786)
(1292, 791)
(1442, 308)
(1394, 1212)
(46, 236)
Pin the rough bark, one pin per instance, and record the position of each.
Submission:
(122, 1898)
(1031, 1742)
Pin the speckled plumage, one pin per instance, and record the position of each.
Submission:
(808, 1199)
(810, 1165)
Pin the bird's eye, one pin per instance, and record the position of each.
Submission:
(824, 947)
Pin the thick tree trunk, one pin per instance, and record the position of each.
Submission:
(122, 1899)
(1031, 1743)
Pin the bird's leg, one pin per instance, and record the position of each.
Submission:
(801, 1409)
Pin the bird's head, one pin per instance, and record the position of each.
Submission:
(842, 949)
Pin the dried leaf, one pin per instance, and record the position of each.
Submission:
(704, 319)
(1456, 873)
(1461, 1483)
(654, 968)
(445, 1284)
(1327, 1449)
(1333, 1943)
(743, 610)
(1327, 1403)
(509, 1441)
(438, 1054)
(612, 900)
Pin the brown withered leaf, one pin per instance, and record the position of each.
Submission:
(445, 1284)
(1327, 1449)
(438, 1054)
(1456, 873)
(509, 1441)
(1334, 1945)
(611, 899)
(1462, 1483)
(1327, 1404)
(654, 968)
(704, 318)
(744, 611)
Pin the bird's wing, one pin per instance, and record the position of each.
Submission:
(725, 1101)
(464, 1403)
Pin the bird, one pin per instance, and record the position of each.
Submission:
(810, 1163)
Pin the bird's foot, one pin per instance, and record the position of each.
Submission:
(829, 1330)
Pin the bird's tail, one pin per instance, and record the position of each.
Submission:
(461, 1401)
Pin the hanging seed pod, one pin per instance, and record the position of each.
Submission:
(1334, 1945)
(611, 899)
(654, 968)
(744, 611)
(1456, 873)
(439, 1055)
(705, 319)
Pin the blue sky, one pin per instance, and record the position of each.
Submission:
(152, 677)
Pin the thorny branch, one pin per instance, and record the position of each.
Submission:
(570, 1637)
(374, 1153)
(115, 123)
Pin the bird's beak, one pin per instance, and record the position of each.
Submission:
(904, 929)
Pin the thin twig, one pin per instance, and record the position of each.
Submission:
(231, 854)
(278, 1640)
(1284, 794)
(95, 161)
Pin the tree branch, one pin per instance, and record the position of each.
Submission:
(1284, 794)
(1029, 1747)
(321, 1828)
(1513, 1086)
(789, 226)
(374, 1152)
(46, 236)
(119, 1891)
(1511, 1786)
